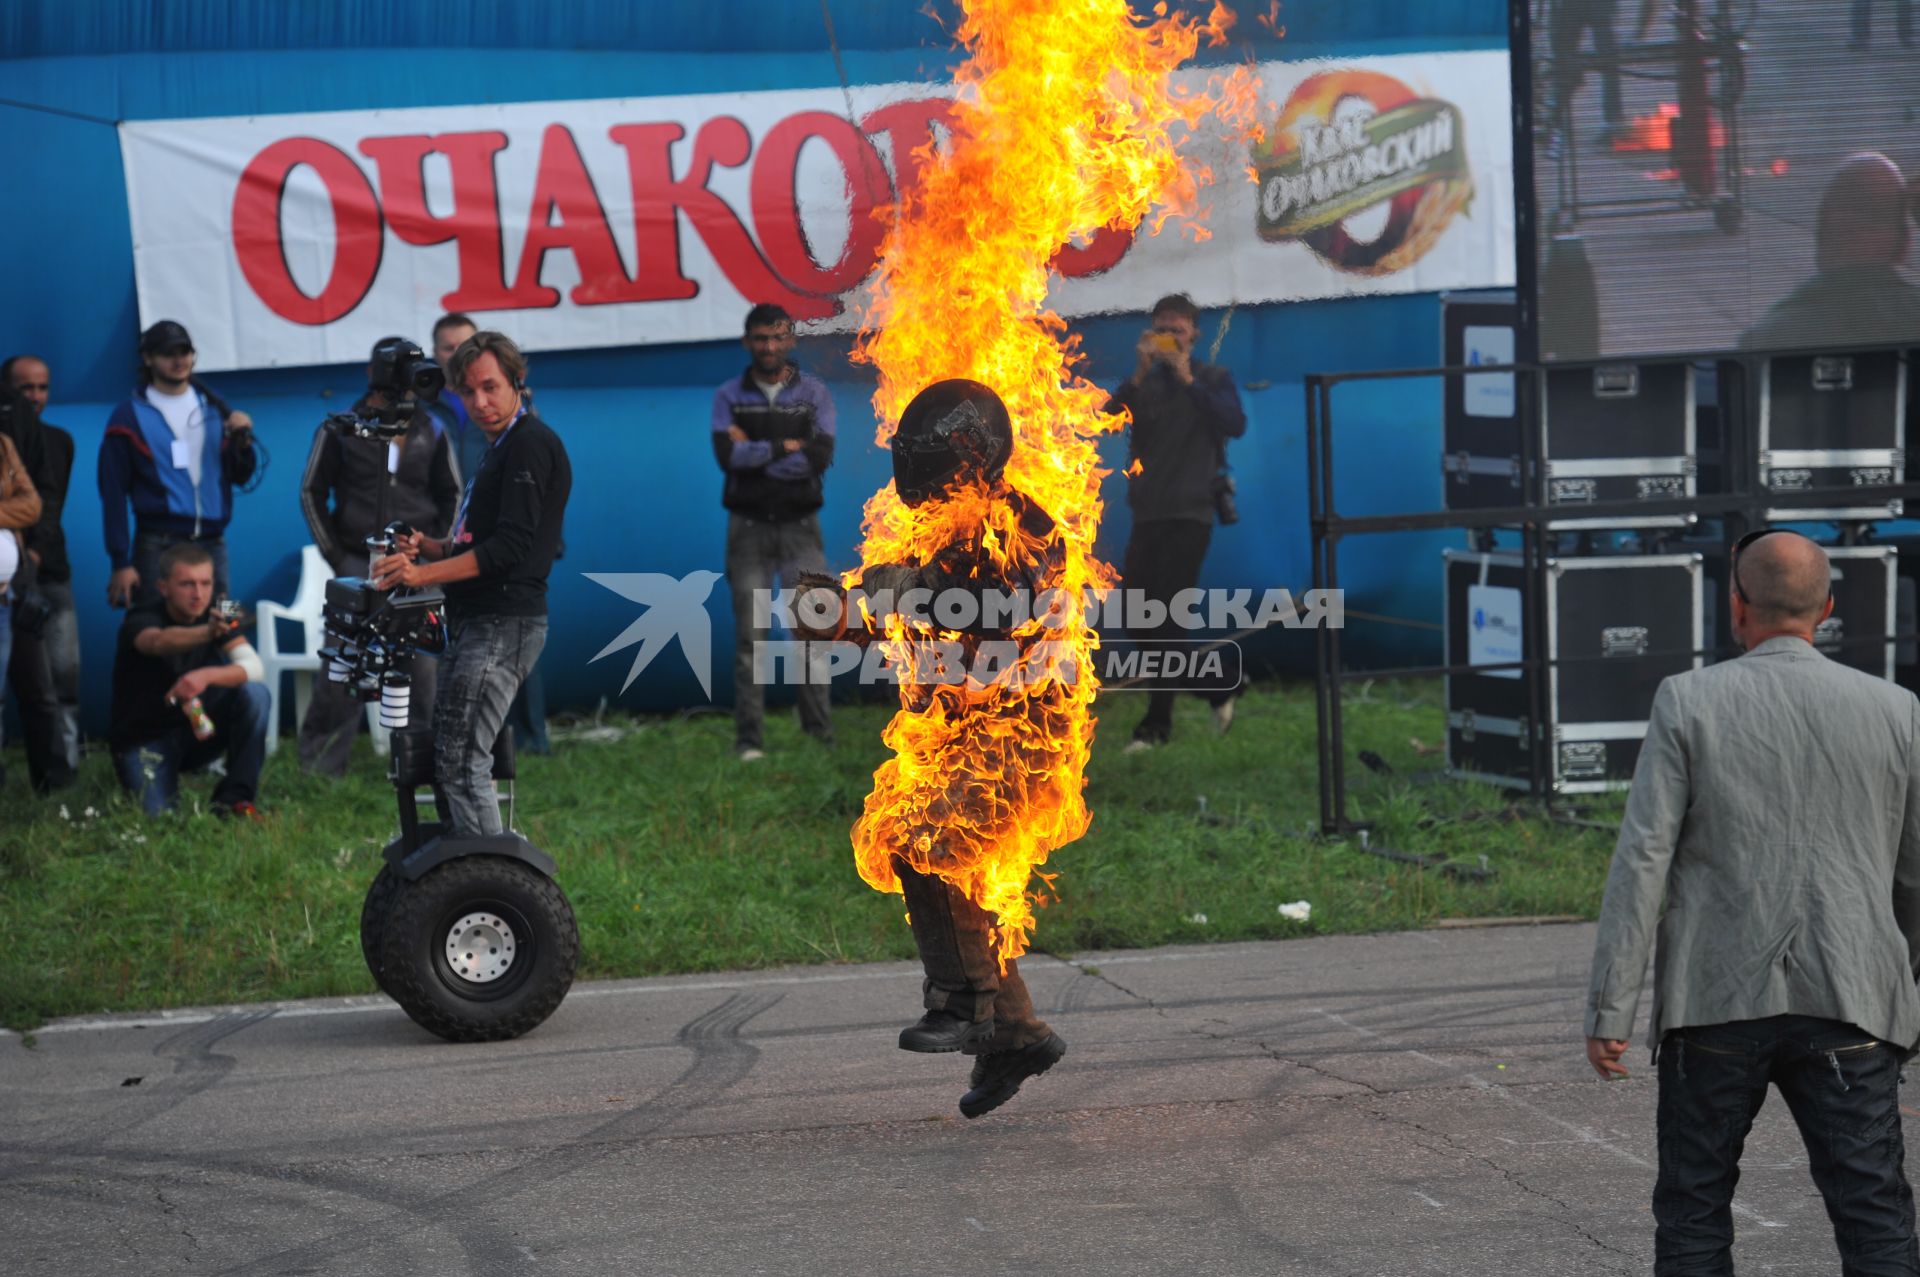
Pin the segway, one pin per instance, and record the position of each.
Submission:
(470, 935)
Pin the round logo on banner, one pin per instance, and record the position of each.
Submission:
(1363, 171)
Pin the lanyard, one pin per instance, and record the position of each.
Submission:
(466, 498)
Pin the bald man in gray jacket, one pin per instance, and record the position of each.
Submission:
(1776, 809)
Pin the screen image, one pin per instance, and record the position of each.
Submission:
(1717, 175)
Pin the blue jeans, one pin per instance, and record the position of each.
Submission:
(151, 770)
(487, 659)
(1842, 1088)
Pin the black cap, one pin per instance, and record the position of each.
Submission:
(164, 336)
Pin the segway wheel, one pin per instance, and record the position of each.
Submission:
(373, 920)
(480, 949)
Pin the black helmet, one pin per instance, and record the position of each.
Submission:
(953, 430)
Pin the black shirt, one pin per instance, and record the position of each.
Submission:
(340, 492)
(1179, 436)
(511, 520)
(46, 537)
(141, 681)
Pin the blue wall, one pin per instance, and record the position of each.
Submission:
(635, 420)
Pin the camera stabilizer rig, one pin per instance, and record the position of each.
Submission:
(470, 935)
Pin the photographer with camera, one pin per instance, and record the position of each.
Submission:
(1183, 412)
(19, 509)
(493, 568)
(350, 477)
(45, 668)
(164, 456)
(187, 688)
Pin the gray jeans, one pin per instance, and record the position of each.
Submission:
(486, 661)
(62, 641)
(759, 557)
(45, 673)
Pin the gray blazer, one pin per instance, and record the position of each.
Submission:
(1776, 807)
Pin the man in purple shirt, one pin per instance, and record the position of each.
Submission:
(773, 437)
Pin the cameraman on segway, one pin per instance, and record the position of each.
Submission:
(493, 569)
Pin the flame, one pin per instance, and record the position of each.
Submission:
(1065, 122)
(1654, 131)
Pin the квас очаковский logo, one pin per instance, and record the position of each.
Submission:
(1347, 141)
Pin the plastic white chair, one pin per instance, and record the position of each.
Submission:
(302, 662)
(308, 611)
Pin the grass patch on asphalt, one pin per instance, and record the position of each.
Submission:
(678, 858)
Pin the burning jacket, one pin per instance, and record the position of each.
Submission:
(985, 759)
(981, 561)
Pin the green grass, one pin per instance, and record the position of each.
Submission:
(678, 859)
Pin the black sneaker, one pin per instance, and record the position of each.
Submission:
(996, 1077)
(940, 1031)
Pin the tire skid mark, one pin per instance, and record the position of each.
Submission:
(721, 1060)
(196, 1068)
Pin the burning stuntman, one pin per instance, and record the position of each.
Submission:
(971, 758)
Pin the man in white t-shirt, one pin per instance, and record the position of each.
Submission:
(173, 453)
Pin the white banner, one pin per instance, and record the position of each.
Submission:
(304, 239)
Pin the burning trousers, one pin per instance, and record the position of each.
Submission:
(955, 939)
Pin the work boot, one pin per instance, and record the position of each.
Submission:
(997, 1076)
(939, 1031)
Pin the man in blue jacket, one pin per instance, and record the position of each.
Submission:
(173, 451)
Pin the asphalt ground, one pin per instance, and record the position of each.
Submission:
(1393, 1104)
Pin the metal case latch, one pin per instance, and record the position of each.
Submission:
(1833, 372)
(1616, 381)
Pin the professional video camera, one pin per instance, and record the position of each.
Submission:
(372, 633)
(398, 377)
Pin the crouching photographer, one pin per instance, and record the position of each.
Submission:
(493, 570)
(188, 688)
